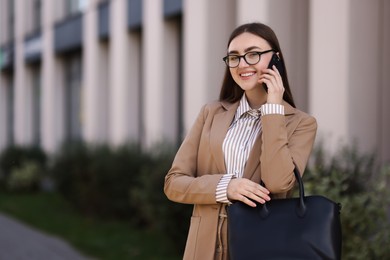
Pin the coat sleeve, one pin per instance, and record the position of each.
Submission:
(285, 143)
(183, 182)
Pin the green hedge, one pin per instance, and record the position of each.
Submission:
(153, 206)
(362, 188)
(97, 179)
(122, 183)
(21, 167)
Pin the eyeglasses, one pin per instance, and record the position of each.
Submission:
(251, 58)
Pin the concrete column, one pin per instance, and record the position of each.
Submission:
(364, 73)
(51, 109)
(123, 77)
(94, 106)
(153, 69)
(90, 80)
(207, 26)
(249, 11)
(20, 87)
(384, 94)
(329, 69)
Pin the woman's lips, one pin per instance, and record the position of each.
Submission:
(247, 74)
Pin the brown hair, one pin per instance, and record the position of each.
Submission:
(230, 91)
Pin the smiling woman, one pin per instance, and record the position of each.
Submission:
(247, 137)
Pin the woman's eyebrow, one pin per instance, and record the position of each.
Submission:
(251, 48)
(246, 50)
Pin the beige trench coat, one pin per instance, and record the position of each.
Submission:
(199, 165)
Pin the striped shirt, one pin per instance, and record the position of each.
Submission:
(239, 141)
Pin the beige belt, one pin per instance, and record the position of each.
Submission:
(221, 250)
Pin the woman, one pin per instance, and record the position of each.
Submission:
(253, 133)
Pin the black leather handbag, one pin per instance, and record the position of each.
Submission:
(301, 228)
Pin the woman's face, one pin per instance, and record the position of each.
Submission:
(245, 75)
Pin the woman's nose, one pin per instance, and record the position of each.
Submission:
(242, 63)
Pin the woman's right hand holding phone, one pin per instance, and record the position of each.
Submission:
(274, 82)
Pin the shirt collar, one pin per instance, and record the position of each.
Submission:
(244, 108)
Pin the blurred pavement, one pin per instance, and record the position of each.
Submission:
(21, 242)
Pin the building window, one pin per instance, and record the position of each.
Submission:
(74, 6)
(73, 111)
(173, 8)
(134, 14)
(71, 6)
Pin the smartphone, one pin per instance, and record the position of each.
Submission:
(275, 60)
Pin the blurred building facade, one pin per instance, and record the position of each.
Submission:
(139, 70)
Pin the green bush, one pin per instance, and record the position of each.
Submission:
(25, 178)
(354, 181)
(153, 207)
(122, 183)
(96, 179)
(15, 157)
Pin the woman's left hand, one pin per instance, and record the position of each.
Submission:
(274, 82)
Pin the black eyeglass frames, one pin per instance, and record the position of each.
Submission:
(251, 58)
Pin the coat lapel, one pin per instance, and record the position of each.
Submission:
(219, 128)
(218, 132)
(254, 156)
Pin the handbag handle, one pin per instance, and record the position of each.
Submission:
(301, 207)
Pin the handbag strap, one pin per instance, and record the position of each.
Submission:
(301, 207)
